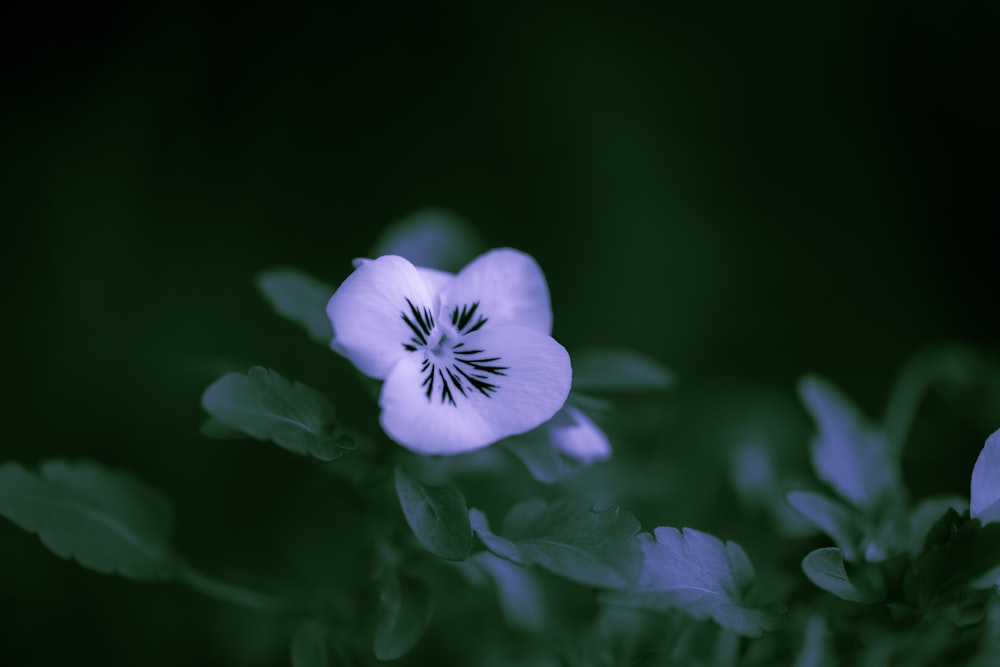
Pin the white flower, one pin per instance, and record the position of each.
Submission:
(467, 359)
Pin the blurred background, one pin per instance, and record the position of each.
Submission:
(745, 193)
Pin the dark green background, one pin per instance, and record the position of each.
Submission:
(740, 191)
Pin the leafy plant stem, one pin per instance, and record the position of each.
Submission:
(913, 382)
(238, 595)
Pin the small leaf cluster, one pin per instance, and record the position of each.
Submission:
(904, 567)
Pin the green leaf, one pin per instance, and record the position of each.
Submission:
(108, 520)
(840, 523)
(404, 612)
(265, 406)
(591, 547)
(848, 454)
(825, 568)
(215, 429)
(925, 514)
(614, 369)
(437, 515)
(300, 298)
(698, 574)
(815, 650)
(433, 238)
(520, 593)
(308, 647)
(958, 553)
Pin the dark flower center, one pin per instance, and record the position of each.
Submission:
(449, 368)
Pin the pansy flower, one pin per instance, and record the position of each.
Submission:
(466, 359)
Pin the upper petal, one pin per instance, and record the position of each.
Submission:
(435, 279)
(985, 491)
(503, 381)
(509, 287)
(378, 309)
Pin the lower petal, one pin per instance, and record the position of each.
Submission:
(500, 382)
(579, 437)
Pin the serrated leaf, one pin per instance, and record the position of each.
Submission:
(404, 612)
(825, 568)
(300, 298)
(698, 574)
(108, 520)
(839, 522)
(985, 491)
(266, 406)
(308, 647)
(614, 369)
(591, 547)
(432, 238)
(437, 515)
(851, 456)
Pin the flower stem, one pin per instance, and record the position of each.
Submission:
(938, 365)
(238, 595)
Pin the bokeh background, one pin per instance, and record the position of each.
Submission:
(744, 192)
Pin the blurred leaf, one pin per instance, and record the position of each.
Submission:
(300, 298)
(698, 574)
(433, 238)
(522, 600)
(815, 650)
(437, 515)
(591, 547)
(825, 568)
(215, 429)
(265, 406)
(108, 520)
(985, 491)
(989, 647)
(847, 453)
(840, 523)
(404, 612)
(618, 369)
(308, 647)
(958, 553)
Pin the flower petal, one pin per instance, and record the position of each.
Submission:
(370, 312)
(561, 446)
(985, 492)
(435, 279)
(509, 287)
(503, 381)
(578, 436)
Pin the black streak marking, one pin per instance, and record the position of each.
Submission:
(467, 369)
